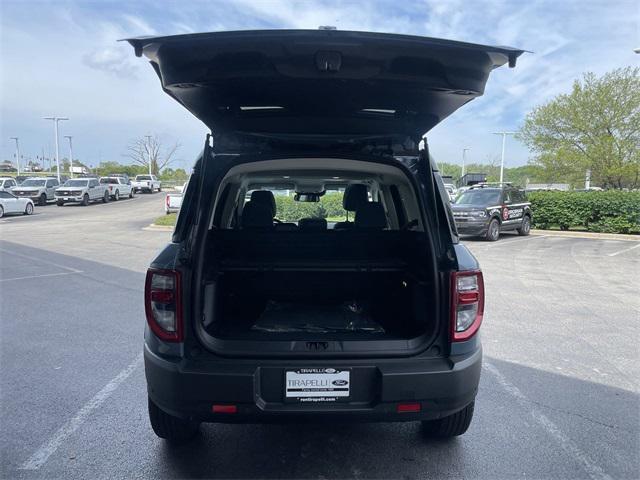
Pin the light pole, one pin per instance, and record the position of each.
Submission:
(69, 137)
(504, 139)
(148, 137)
(464, 156)
(55, 130)
(17, 153)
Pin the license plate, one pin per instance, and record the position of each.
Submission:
(67, 198)
(317, 385)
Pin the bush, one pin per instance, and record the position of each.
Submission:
(613, 211)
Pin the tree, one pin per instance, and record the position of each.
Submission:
(142, 150)
(595, 127)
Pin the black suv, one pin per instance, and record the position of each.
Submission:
(487, 209)
(253, 316)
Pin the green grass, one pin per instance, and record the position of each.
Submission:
(169, 220)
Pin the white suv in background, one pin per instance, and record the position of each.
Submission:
(7, 184)
(118, 187)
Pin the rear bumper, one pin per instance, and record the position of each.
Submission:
(188, 390)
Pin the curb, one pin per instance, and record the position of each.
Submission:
(591, 235)
(159, 228)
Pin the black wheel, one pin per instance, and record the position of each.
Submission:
(450, 426)
(116, 197)
(525, 228)
(174, 429)
(493, 232)
(1, 211)
(28, 209)
(85, 200)
(159, 189)
(105, 197)
(42, 201)
(60, 202)
(131, 193)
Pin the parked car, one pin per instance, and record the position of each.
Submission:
(172, 203)
(7, 184)
(20, 179)
(487, 209)
(38, 189)
(118, 187)
(451, 191)
(9, 203)
(83, 191)
(252, 318)
(146, 183)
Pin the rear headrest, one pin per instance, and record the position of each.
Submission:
(354, 196)
(266, 198)
(256, 215)
(315, 224)
(371, 216)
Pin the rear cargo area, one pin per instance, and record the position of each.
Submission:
(317, 286)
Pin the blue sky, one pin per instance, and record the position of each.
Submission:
(62, 58)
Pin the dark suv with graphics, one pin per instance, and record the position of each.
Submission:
(487, 209)
(265, 308)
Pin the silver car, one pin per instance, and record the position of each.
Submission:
(38, 189)
(9, 203)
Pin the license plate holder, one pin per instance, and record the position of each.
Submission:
(317, 385)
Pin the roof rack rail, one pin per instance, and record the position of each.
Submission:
(490, 184)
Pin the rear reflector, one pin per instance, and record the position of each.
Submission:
(408, 407)
(224, 409)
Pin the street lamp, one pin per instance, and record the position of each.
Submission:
(464, 155)
(55, 130)
(504, 139)
(69, 137)
(17, 153)
(148, 137)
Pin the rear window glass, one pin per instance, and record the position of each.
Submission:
(289, 210)
(109, 180)
(143, 177)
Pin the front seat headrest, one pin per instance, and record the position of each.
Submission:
(312, 224)
(256, 215)
(371, 216)
(266, 198)
(354, 197)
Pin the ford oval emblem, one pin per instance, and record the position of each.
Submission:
(339, 382)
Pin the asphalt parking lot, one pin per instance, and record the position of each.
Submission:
(558, 397)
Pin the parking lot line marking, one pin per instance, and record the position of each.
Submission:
(517, 240)
(624, 251)
(594, 470)
(39, 276)
(47, 449)
(74, 270)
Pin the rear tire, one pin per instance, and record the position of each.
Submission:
(493, 231)
(42, 201)
(173, 429)
(85, 200)
(131, 194)
(105, 197)
(116, 197)
(1, 211)
(451, 426)
(525, 228)
(28, 209)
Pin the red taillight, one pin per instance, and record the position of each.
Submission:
(224, 409)
(163, 305)
(408, 408)
(167, 200)
(110, 188)
(467, 304)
